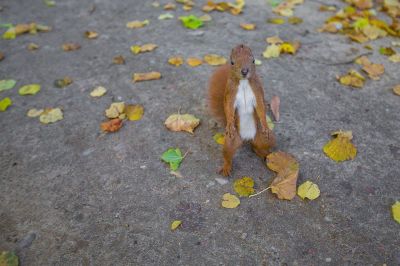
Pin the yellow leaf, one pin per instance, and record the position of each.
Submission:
(272, 51)
(340, 148)
(277, 21)
(373, 32)
(169, 6)
(353, 79)
(134, 112)
(396, 90)
(51, 115)
(146, 76)
(144, 48)
(34, 112)
(396, 211)
(185, 122)
(214, 60)
(374, 70)
(98, 91)
(193, 61)
(205, 18)
(119, 60)
(287, 48)
(274, 40)
(176, 60)
(137, 24)
(230, 201)
(278, 161)
(67, 47)
(91, 34)
(32, 46)
(5, 103)
(394, 58)
(115, 110)
(175, 224)
(30, 89)
(295, 20)
(244, 187)
(219, 138)
(308, 190)
(135, 49)
(248, 26)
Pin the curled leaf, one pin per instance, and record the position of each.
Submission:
(115, 110)
(146, 76)
(175, 224)
(185, 122)
(112, 125)
(230, 201)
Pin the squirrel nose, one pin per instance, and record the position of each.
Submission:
(245, 71)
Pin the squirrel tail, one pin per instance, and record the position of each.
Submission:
(216, 92)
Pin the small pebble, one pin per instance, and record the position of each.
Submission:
(143, 167)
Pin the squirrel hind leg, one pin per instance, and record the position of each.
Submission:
(262, 145)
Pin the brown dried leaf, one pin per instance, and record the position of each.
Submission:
(91, 34)
(146, 76)
(396, 90)
(275, 103)
(374, 71)
(112, 125)
(185, 122)
(67, 47)
(119, 60)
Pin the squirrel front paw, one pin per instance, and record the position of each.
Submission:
(225, 170)
(230, 131)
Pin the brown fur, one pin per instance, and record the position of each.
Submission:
(222, 92)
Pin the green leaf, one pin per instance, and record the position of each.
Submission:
(173, 157)
(6, 25)
(8, 259)
(4, 104)
(7, 84)
(191, 22)
(49, 3)
(274, 3)
(30, 89)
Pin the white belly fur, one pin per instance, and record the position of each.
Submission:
(244, 104)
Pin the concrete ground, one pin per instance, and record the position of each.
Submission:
(70, 195)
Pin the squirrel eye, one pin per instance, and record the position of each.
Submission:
(254, 61)
(232, 63)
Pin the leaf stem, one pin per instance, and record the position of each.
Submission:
(258, 193)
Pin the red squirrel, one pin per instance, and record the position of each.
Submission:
(236, 97)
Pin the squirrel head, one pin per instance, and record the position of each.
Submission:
(242, 62)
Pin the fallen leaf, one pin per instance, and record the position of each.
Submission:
(98, 92)
(34, 112)
(176, 173)
(91, 34)
(279, 161)
(295, 20)
(187, 7)
(169, 6)
(8, 258)
(214, 60)
(155, 4)
(396, 90)
(396, 211)
(144, 48)
(115, 110)
(112, 125)
(32, 46)
(340, 148)
(173, 157)
(185, 122)
(205, 18)
(374, 71)
(308, 190)
(394, 58)
(5, 103)
(230, 201)
(219, 138)
(51, 115)
(165, 16)
(272, 51)
(49, 3)
(119, 60)
(30, 89)
(193, 61)
(7, 84)
(137, 24)
(244, 186)
(248, 26)
(289, 48)
(352, 78)
(275, 103)
(175, 224)
(388, 51)
(134, 112)
(175, 60)
(277, 21)
(64, 82)
(274, 40)
(67, 47)
(373, 32)
(362, 4)
(324, 8)
(146, 76)
(191, 22)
